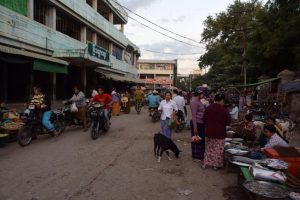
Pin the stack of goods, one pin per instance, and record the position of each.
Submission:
(12, 126)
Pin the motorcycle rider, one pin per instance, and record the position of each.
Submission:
(104, 99)
(43, 106)
(153, 100)
(79, 99)
(180, 102)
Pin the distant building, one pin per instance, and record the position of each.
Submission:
(62, 43)
(158, 73)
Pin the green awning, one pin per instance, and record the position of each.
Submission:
(259, 83)
(46, 66)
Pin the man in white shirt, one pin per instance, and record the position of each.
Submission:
(180, 102)
(167, 107)
(234, 113)
(273, 138)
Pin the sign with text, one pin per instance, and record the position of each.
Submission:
(98, 52)
(158, 81)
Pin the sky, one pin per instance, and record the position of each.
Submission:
(183, 17)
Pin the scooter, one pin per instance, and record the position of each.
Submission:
(154, 114)
(33, 125)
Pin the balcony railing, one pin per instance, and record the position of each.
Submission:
(90, 14)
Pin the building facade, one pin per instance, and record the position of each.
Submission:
(158, 73)
(62, 43)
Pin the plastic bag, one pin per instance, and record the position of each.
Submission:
(73, 108)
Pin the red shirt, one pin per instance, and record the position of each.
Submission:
(103, 99)
(216, 118)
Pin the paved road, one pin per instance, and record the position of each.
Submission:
(117, 166)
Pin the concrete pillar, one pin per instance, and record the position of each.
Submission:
(83, 34)
(110, 48)
(54, 86)
(30, 9)
(83, 78)
(94, 38)
(95, 4)
(122, 28)
(135, 60)
(51, 18)
(111, 17)
(123, 54)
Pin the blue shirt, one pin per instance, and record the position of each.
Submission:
(153, 100)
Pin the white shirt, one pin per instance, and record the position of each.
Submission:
(234, 113)
(167, 109)
(276, 140)
(180, 102)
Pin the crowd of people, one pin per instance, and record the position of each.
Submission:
(209, 120)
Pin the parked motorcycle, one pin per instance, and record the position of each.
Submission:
(33, 125)
(99, 124)
(154, 114)
(180, 122)
(69, 118)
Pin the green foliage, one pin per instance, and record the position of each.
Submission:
(270, 35)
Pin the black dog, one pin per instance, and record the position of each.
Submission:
(162, 143)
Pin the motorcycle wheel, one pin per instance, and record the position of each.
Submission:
(59, 126)
(179, 128)
(95, 131)
(106, 126)
(24, 136)
(155, 118)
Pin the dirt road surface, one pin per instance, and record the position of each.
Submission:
(118, 166)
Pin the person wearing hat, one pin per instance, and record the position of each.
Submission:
(153, 100)
(216, 118)
(197, 125)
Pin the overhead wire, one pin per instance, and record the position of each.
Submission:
(155, 23)
(165, 34)
(179, 54)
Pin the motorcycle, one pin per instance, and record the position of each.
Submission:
(99, 124)
(69, 118)
(180, 122)
(33, 125)
(154, 114)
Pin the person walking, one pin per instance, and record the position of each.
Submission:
(197, 125)
(115, 103)
(168, 108)
(139, 98)
(79, 99)
(216, 118)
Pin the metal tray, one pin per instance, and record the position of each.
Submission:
(266, 189)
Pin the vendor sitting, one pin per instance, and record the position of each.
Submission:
(273, 138)
(245, 128)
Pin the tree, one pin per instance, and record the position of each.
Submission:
(263, 38)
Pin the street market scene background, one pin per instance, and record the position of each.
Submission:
(140, 99)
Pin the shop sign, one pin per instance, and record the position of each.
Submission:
(158, 81)
(98, 52)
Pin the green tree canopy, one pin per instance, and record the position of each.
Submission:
(268, 36)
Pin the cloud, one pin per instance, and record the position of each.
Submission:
(136, 4)
(179, 19)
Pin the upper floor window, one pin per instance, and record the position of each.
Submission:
(67, 25)
(90, 2)
(89, 35)
(117, 52)
(40, 9)
(147, 66)
(102, 42)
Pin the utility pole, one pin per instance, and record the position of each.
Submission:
(244, 29)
